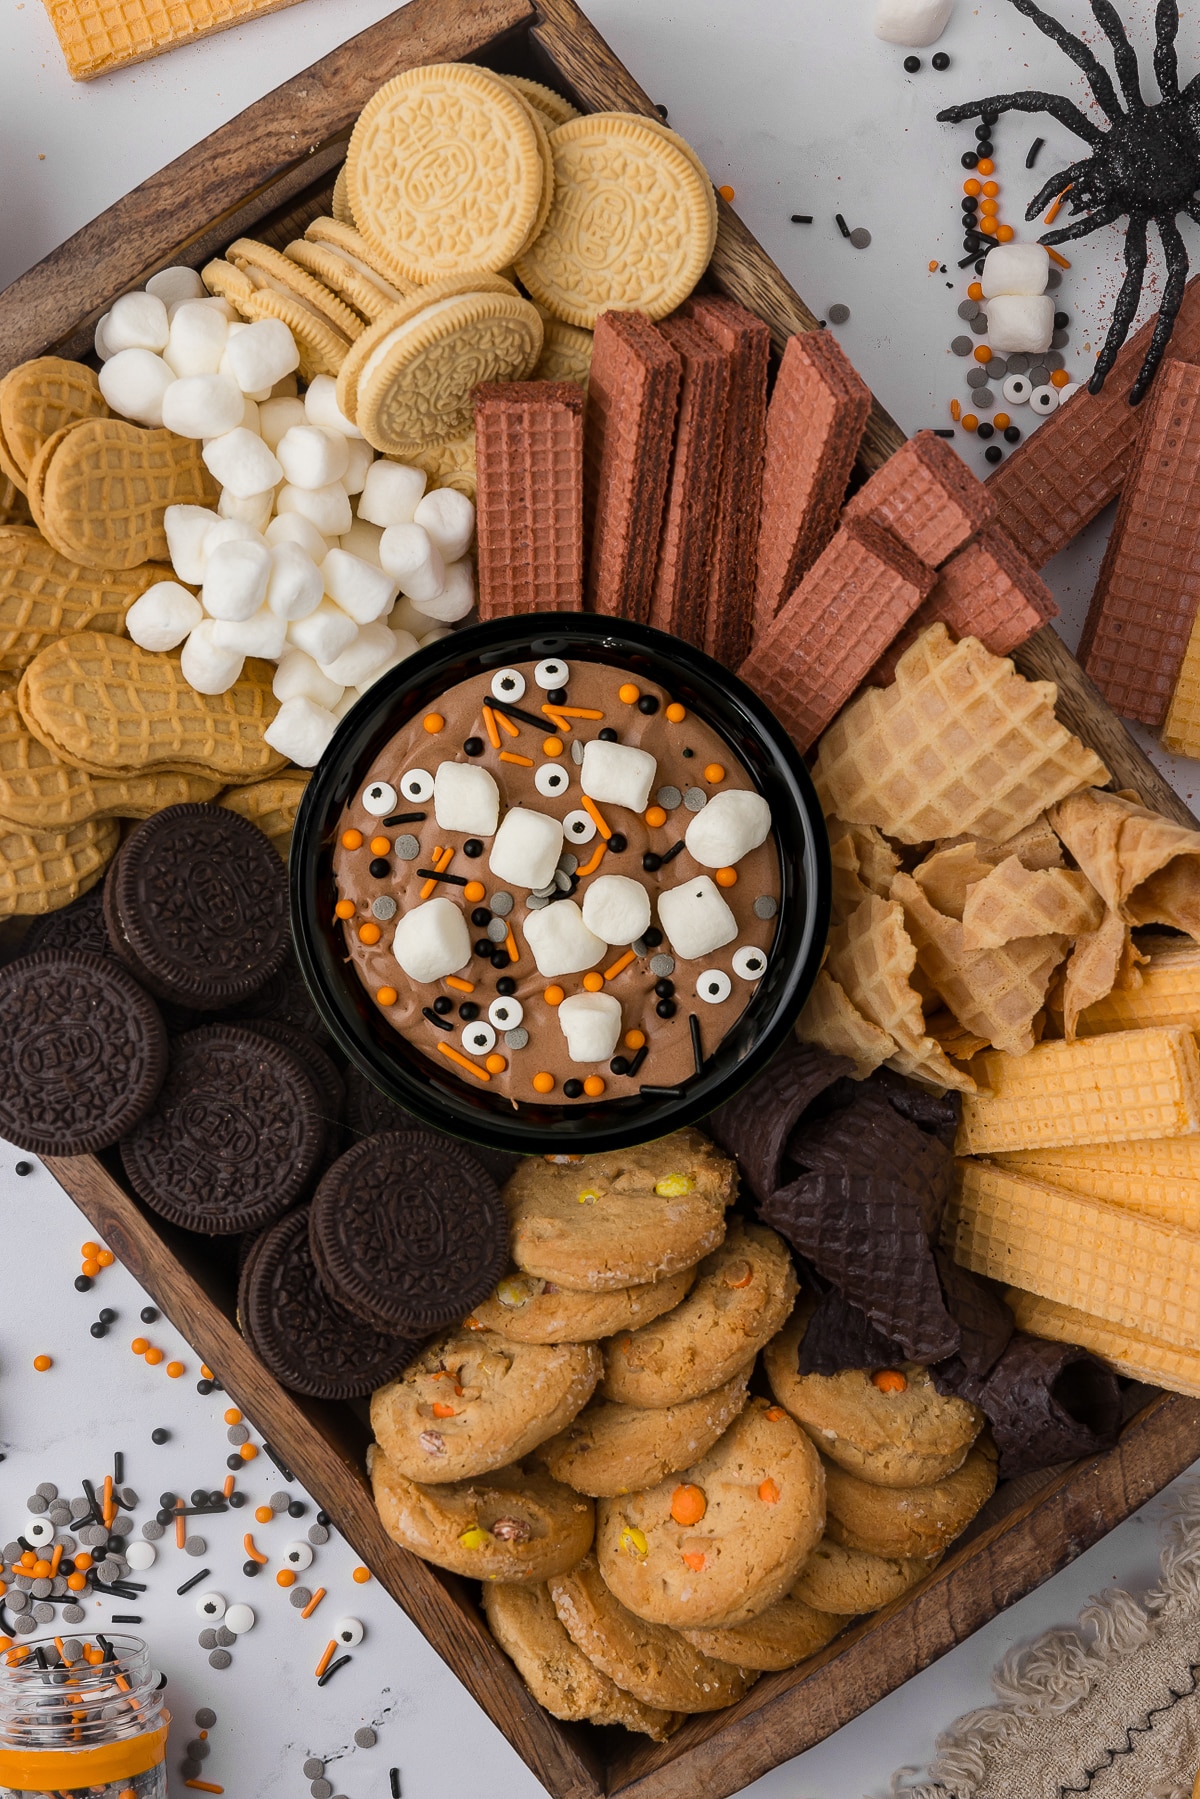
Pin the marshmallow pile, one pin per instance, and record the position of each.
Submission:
(320, 557)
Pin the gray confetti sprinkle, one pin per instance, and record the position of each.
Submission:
(13, 1552)
(42, 1589)
(321, 1789)
(536, 901)
(501, 904)
(837, 314)
(60, 1514)
(384, 907)
(568, 863)
(1054, 359)
(639, 946)
(36, 1504)
(237, 1434)
(314, 1767)
(662, 965)
(280, 1501)
(207, 1638)
(977, 377)
(58, 1586)
(1039, 376)
(206, 1717)
(43, 1613)
(152, 1530)
(189, 1768)
(220, 1658)
(198, 1749)
(406, 847)
(577, 751)
(544, 892)
(979, 324)
(72, 1649)
(93, 1534)
(128, 1498)
(365, 1737)
(962, 346)
(195, 1546)
(562, 880)
(996, 369)
(860, 237)
(668, 798)
(1018, 363)
(765, 906)
(46, 1490)
(107, 1572)
(983, 399)
(317, 1534)
(121, 1525)
(26, 1624)
(695, 799)
(299, 1597)
(225, 1637)
(1053, 280)
(968, 309)
(1060, 339)
(497, 930)
(16, 1601)
(72, 1614)
(517, 1038)
(80, 1506)
(68, 1542)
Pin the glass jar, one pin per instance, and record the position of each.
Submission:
(81, 1720)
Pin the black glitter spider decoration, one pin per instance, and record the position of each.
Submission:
(1145, 167)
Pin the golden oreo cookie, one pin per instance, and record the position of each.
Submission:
(566, 352)
(552, 107)
(268, 269)
(341, 257)
(340, 203)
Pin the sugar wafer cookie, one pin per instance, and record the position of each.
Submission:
(1131, 1352)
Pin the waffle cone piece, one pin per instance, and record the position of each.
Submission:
(41, 871)
(1167, 992)
(107, 485)
(1145, 867)
(1014, 901)
(948, 875)
(529, 449)
(1131, 1352)
(1103, 962)
(831, 1020)
(959, 743)
(43, 596)
(38, 398)
(871, 957)
(104, 706)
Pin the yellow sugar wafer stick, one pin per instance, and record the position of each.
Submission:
(1169, 994)
(1171, 1200)
(1159, 1158)
(1130, 1352)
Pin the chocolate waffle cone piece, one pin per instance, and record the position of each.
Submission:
(867, 1134)
(1046, 1403)
(833, 1335)
(43, 596)
(1145, 601)
(1130, 1352)
(984, 1321)
(96, 38)
(728, 605)
(107, 486)
(103, 705)
(927, 497)
(1075, 463)
(988, 590)
(38, 398)
(959, 743)
(693, 484)
(833, 1022)
(529, 451)
(818, 413)
(829, 634)
(1015, 901)
(1144, 866)
(43, 870)
(755, 1128)
(633, 393)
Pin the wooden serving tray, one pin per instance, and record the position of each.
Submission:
(269, 172)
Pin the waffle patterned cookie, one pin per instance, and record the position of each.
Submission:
(38, 398)
(43, 596)
(14, 507)
(1131, 1352)
(40, 871)
(106, 486)
(927, 497)
(98, 36)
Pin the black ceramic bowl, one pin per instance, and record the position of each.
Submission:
(440, 1097)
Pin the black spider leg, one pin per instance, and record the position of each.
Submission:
(1098, 78)
(1175, 251)
(1127, 299)
(1166, 65)
(1057, 184)
(1085, 226)
(1124, 56)
(1065, 111)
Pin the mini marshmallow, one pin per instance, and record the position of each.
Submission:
(312, 457)
(186, 528)
(616, 908)
(137, 322)
(560, 941)
(161, 617)
(733, 823)
(254, 510)
(696, 918)
(197, 340)
(103, 348)
(466, 798)
(320, 403)
(409, 556)
(261, 355)
(404, 616)
(229, 530)
(432, 941)
(172, 285)
(359, 588)
(434, 636)
(295, 585)
(276, 418)
(404, 645)
(291, 527)
(134, 383)
(301, 731)
(457, 596)
(1016, 269)
(362, 456)
(359, 661)
(362, 540)
(263, 635)
(299, 677)
(242, 462)
(205, 667)
(591, 1022)
(324, 633)
(235, 580)
(449, 518)
(526, 851)
(1022, 322)
(348, 700)
(203, 406)
(328, 508)
(913, 23)
(616, 774)
(391, 493)
(250, 415)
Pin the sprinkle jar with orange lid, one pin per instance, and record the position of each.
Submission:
(83, 1721)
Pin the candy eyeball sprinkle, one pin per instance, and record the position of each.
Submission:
(478, 1038)
(1017, 390)
(506, 1014)
(379, 799)
(417, 785)
(1044, 399)
(348, 1633)
(298, 1555)
(552, 780)
(714, 985)
(551, 674)
(578, 827)
(508, 684)
(39, 1531)
(211, 1607)
(749, 963)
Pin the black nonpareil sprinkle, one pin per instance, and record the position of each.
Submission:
(443, 1004)
(83, 1283)
(148, 1315)
(618, 843)
(160, 1435)
(912, 64)
(993, 453)
(1012, 434)
(608, 735)
(572, 1088)
(941, 62)
(379, 868)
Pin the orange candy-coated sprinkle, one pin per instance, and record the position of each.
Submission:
(89, 1249)
(361, 1576)
(495, 1063)
(1055, 257)
(554, 996)
(989, 208)
(174, 1369)
(988, 227)
(139, 1346)
(593, 1086)
(40, 1569)
(352, 840)
(83, 1559)
(774, 1414)
(933, 268)
(256, 1555)
(28, 1558)
(233, 1416)
(313, 1603)
(263, 1514)
(369, 932)
(248, 1451)
(676, 713)
(629, 693)
(433, 723)
(986, 166)
(726, 192)
(1005, 234)
(970, 422)
(154, 1357)
(206, 1372)
(991, 189)
(473, 892)
(461, 1061)
(326, 1658)
(975, 291)
(552, 746)
(688, 1505)
(381, 846)
(593, 981)
(344, 909)
(1002, 421)
(714, 772)
(983, 354)
(655, 816)
(386, 996)
(889, 1380)
(91, 1268)
(285, 1578)
(1059, 378)
(634, 1039)
(693, 1559)
(106, 1258)
(727, 877)
(974, 188)
(768, 1492)
(77, 1582)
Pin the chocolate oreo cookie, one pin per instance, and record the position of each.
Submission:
(285, 998)
(196, 906)
(83, 1052)
(325, 1077)
(235, 1136)
(409, 1231)
(368, 1110)
(304, 1336)
(79, 926)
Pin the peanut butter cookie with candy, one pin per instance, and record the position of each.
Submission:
(528, 1310)
(613, 1449)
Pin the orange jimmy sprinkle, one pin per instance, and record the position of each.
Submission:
(313, 1603)
(461, 1061)
(593, 1086)
(694, 1559)
(455, 980)
(543, 1082)
(511, 756)
(676, 713)
(256, 1555)
(489, 720)
(593, 981)
(933, 267)
(597, 817)
(230, 1483)
(203, 1786)
(510, 944)
(688, 1505)
(344, 909)
(506, 724)
(1055, 257)
(768, 1492)
(352, 840)
(574, 711)
(594, 860)
(620, 965)
(1056, 205)
(326, 1658)
(889, 1380)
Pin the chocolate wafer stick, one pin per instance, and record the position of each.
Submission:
(927, 497)
(1148, 593)
(529, 461)
(680, 577)
(815, 422)
(633, 392)
(834, 628)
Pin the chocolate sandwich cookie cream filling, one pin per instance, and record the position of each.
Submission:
(561, 883)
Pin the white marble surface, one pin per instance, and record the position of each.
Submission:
(800, 109)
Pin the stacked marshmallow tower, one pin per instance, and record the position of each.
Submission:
(1020, 317)
(320, 557)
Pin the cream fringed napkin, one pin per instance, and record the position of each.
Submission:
(1110, 1708)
